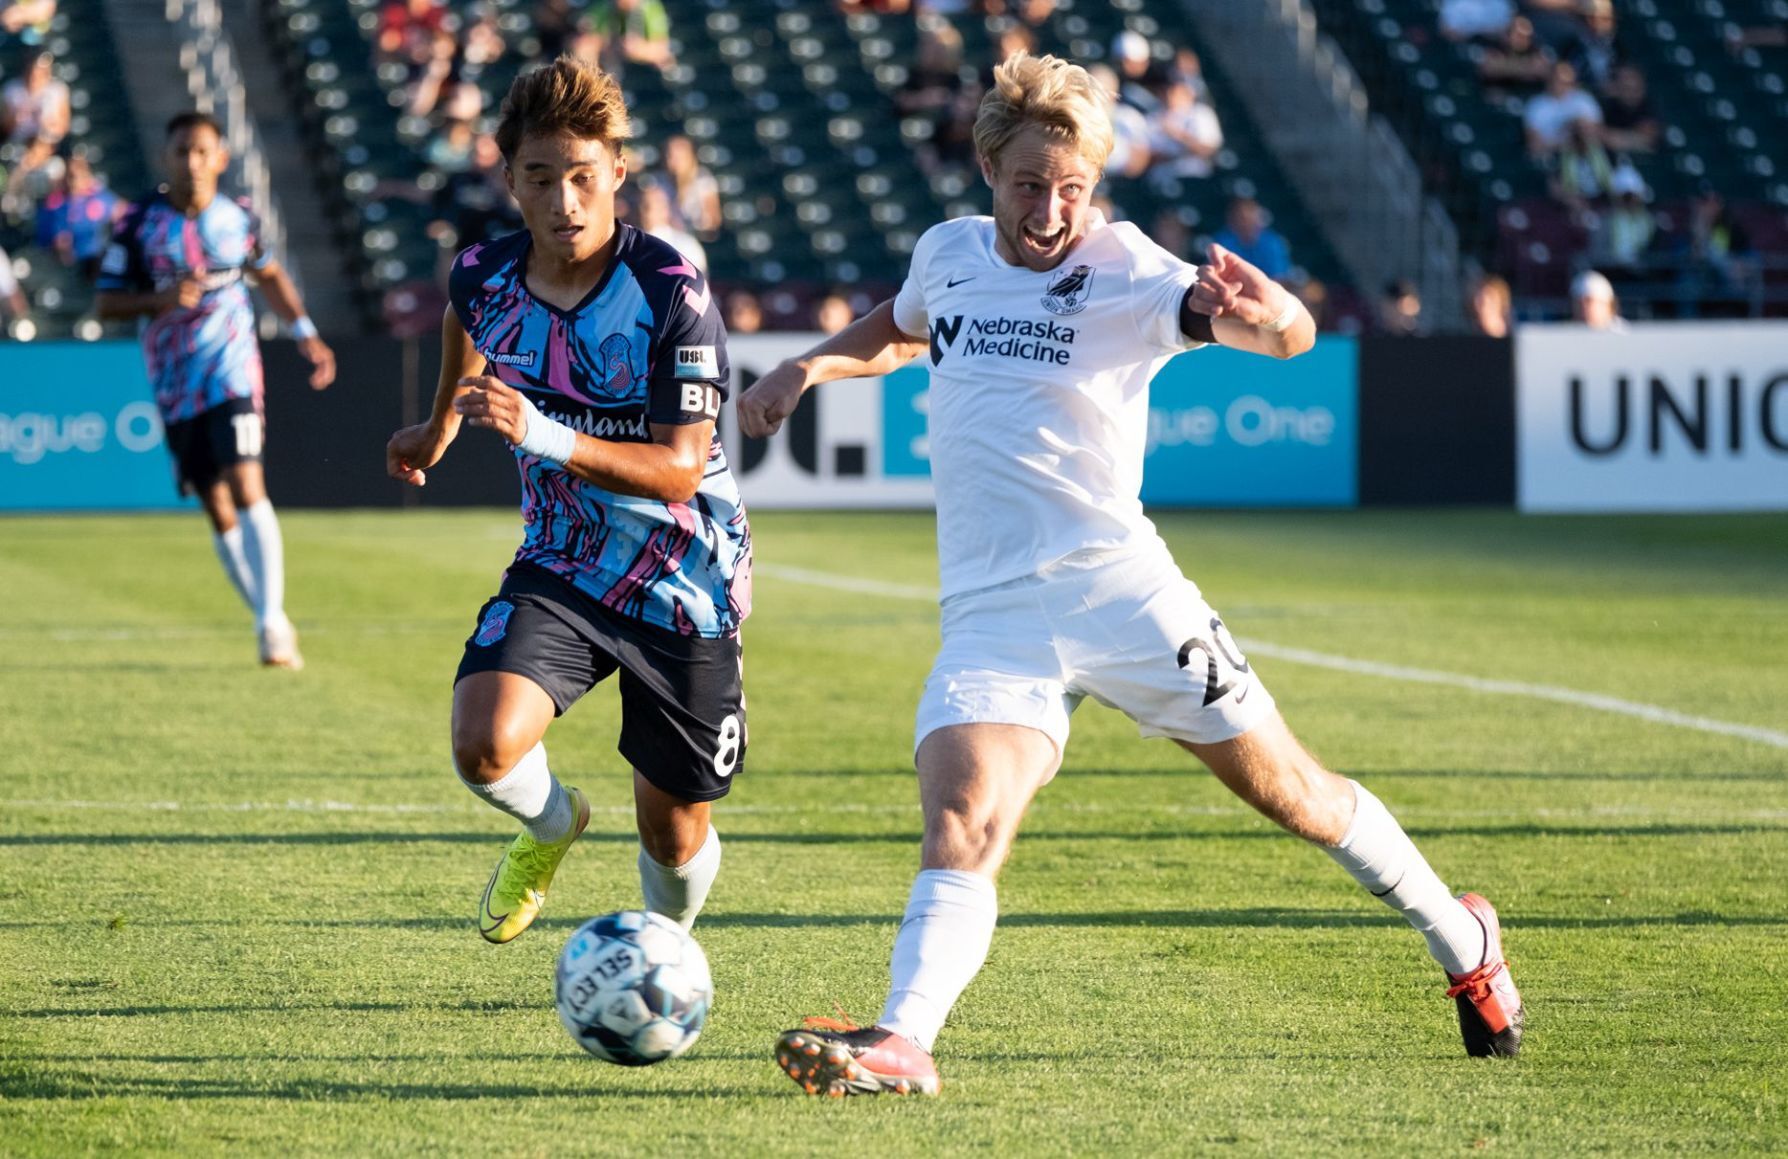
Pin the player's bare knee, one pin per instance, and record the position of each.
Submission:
(965, 835)
(484, 751)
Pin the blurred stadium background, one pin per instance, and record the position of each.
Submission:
(1397, 154)
(1433, 177)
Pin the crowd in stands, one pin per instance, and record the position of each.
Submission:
(1589, 122)
(55, 210)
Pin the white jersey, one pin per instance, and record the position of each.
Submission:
(1039, 392)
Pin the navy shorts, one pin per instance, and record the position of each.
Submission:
(213, 440)
(682, 697)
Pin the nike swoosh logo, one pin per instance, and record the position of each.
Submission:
(954, 282)
(493, 920)
(1243, 694)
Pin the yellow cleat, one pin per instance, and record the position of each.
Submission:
(517, 886)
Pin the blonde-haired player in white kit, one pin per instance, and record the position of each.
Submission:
(1044, 324)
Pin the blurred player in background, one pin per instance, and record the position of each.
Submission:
(1044, 325)
(597, 352)
(184, 258)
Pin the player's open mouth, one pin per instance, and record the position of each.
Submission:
(567, 232)
(1043, 242)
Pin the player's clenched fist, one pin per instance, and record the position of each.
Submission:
(770, 400)
(412, 450)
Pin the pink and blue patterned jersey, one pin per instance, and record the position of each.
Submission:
(645, 346)
(203, 357)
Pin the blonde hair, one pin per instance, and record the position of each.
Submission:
(566, 96)
(1051, 93)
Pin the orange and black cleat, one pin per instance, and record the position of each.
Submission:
(834, 1058)
(1490, 1013)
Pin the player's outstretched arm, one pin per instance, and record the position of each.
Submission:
(1248, 310)
(118, 305)
(282, 295)
(871, 345)
(412, 450)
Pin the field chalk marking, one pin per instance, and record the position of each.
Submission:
(1570, 696)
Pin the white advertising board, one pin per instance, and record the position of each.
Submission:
(834, 452)
(1658, 417)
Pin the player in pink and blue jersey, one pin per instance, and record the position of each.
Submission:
(598, 353)
(184, 258)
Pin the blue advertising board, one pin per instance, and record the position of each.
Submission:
(1226, 429)
(79, 429)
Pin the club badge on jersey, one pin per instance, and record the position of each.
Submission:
(1068, 292)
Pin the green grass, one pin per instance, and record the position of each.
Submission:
(238, 903)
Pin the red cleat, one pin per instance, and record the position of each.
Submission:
(1490, 1014)
(835, 1058)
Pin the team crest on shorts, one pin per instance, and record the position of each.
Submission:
(1067, 293)
(496, 624)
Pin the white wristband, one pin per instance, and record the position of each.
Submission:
(545, 438)
(302, 327)
(1286, 316)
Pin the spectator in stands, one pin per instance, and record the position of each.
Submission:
(744, 313)
(932, 89)
(1009, 39)
(1188, 70)
(27, 21)
(36, 105)
(75, 220)
(1137, 77)
(16, 303)
(1184, 135)
(654, 217)
(473, 205)
(449, 150)
(1556, 23)
(695, 194)
(1595, 53)
(833, 312)
(1549, 116)
(555, 23)
(408, 30)
(617, 33)
(430, 79)
(1400, 309)
(1581, 170)
(1248, 235)
(481, 42)
(1486, 20)
(1489, 306)
(1593, 302)
(1518, 65)
(1717, 258)
(1629, 124)
(1626, 228)
(1129, 128)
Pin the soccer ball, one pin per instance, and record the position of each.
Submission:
(633, 988)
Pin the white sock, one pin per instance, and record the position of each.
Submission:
(532, 795)
(940, 947)
(1381, 857)
(265, 552)
(678, 891)
(235, 563)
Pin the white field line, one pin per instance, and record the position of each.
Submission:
(1570, 696)
(1043, 809)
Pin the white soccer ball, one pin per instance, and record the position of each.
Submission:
(633, 988)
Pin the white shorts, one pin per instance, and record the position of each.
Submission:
(1125, 628)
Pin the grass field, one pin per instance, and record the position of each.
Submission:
(238, 903)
